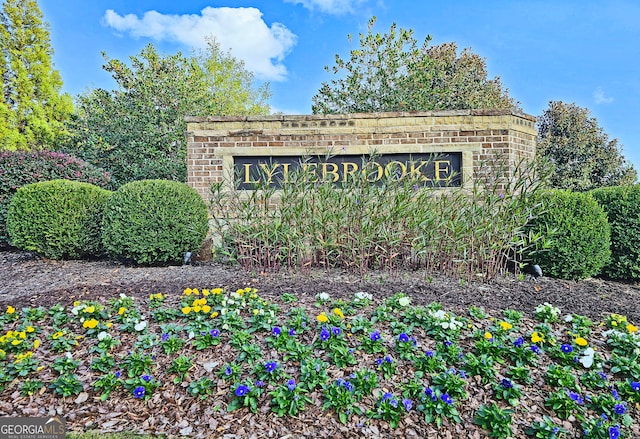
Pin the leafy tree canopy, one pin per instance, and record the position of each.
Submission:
(137, 131)
(391, 72)
(33, 109)
(583, 155)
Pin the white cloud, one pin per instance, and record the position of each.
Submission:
(600, 98)
(337, 7)
(242, 31)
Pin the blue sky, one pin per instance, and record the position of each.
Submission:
(587, 51)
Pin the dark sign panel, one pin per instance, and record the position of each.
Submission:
(440, 170)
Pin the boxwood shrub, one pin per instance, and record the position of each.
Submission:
(622, 205)
(58, 219)
(579, 232)
(154, 222)
(18, 168)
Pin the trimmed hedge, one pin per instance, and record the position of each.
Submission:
(579, 232)
(19, 168)
(622, 205)
(58, 219)
(154, 221)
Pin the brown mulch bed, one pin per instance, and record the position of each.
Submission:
(29, 281)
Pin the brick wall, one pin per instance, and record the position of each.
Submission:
(480, 135)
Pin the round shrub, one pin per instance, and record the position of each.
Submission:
(579, 233)
(18, 168)
(622, 205)
(154, 221)
(58, 219)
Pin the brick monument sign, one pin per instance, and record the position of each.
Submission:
(439, 148)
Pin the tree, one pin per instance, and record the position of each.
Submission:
(390, 72)
(33, 109)
(137, 131)
(581, 152)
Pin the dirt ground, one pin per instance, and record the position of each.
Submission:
(26, 281)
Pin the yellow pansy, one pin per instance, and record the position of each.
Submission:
(195, 292)
(206, 309)
(581, 341)
(240, 292)
(338, 312)
(197, 308)
(57, 335)
(214, 314)
(76, 303)
(16, 342)
(217, 291)
(488, 336)
(505, 326)
(89, 309)
(22, 334)
(255, 312)
(10, 309)
(631, 328)
(36, 344)
(205, 292)
(322, 317)
(109, 324)
(187, 292)
(91, 323)
(186, 310)
(122, 310)
(30, 329)
(537, 337)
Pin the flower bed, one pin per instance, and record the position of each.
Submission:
(209, 361)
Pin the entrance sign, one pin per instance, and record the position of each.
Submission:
(440, 170)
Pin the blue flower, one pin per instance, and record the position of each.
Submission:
(577, 398)
(138, 392)
(214, 333)
(394, 403)
(447, 343)
(117, 374)
(227, 370)
(146, 378)
(165, 337)
(506, 384)
(602, 375)
(336, 331)
(388, 359)
(270, 366)
(446, 398)
(615, 395)
(403, 338)
(387, 396)
(407, 403)
(614, 432)
(292, 332)
(324, 334)
(242, 390)
(635, 386)
(291, 384)
(566, 348)
(620, 409)
(535, 349)
(375, 336)
(347, 385)
(518, 342)
(429, 354)
(259, 383)
(379, 361)
(276, 331)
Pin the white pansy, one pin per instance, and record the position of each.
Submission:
(587, 358)
(362, 295)
(404, 301)
(103, 335)
(323, 297)
(140, 325)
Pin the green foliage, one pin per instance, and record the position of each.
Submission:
(583, 156)
(154, 221)
(32, 109)
(580, 235)
(57, 219)
(622, 205)
(137, 131)
(358, 226)
(18, 168)
(391, 72)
